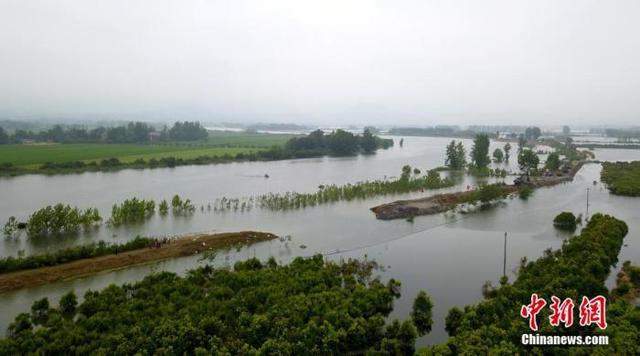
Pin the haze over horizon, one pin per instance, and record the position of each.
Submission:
(333, 62)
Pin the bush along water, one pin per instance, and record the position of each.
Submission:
(64, 219)
(182, 207)
(61, 218)
(565, 221)
(132, 210)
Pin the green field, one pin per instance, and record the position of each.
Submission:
(243, 139)
(31, 156)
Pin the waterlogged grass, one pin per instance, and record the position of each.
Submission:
(622, 178)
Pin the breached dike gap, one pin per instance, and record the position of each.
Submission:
(402, 209)
(181, 247)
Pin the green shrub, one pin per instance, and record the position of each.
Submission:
(525, 192)
(565, 221)
(60, 218)
(132, 210)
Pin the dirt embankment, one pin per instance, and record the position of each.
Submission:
(442, 202)
(184, 246)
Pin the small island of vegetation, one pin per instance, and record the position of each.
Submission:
(565, 221)
(622, 178)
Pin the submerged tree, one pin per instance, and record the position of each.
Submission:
(498, 155)
(60, 218)
(10, 227)
(565, 221)
(132, 210)
(163, 207)
(528, 161)
(507, 151)
(368, 142)
(456, 155)
(182, 207)
(480, 151)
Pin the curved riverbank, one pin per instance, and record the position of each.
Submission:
(185, 246)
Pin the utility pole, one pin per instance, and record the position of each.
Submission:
(587, 215)
(504, 256)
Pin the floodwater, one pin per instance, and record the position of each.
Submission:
(449, 255)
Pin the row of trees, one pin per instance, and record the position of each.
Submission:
(59, 219)
(307, 307)
(456, 153)
(64, 219)
(409, 180)
(339, 142)
(137, 210)
(528, 160)
(133, 132)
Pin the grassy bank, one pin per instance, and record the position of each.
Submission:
(185, 246)
(13, 264)
(622, 178)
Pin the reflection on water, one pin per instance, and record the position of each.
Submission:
(449, 255)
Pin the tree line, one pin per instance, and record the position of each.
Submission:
(133, 132)
(338, 142)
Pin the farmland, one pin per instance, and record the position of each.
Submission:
(218, 144)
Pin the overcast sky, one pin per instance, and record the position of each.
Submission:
(377, 62)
